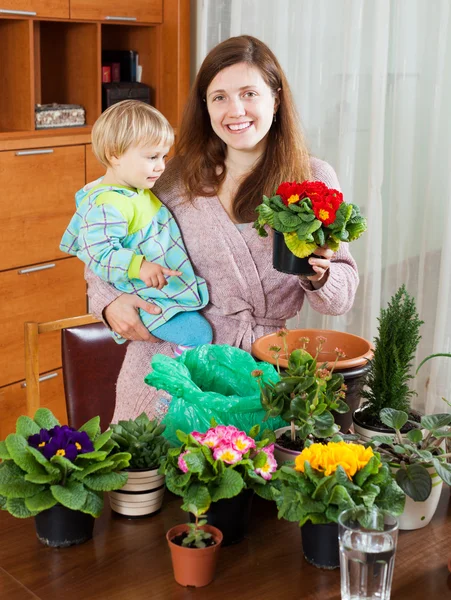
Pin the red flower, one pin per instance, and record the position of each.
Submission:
(313, 190)
(324, 212)
(289, 192)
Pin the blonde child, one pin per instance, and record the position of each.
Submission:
(127, 237)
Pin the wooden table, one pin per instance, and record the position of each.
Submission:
(129, 560)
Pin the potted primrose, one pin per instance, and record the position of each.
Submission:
(305, 397)
(218, 471)
(386, 384)
(57, 475)
(304, 216)
(324, 481)
(143, 493)
(418, 462)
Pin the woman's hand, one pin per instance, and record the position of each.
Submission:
(321, 266)
(123, 317)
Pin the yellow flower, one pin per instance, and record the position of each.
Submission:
(294, 198)
(326, 457)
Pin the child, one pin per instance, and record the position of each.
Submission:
(127, 236)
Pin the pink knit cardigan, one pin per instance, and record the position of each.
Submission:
(248, 298)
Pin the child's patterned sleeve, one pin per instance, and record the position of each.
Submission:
(100, 244)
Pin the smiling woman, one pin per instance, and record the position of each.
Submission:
(239, 138)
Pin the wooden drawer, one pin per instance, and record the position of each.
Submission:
(13, 401)
(45, 295)
(144, 11)
(58, 9)
(94, 169)
(37, 202)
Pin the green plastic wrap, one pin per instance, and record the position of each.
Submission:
(211, 381)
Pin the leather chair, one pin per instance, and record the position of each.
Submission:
(91, 364)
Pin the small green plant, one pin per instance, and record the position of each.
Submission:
(387, 382)
(44, 464)
(415, 452)
(196, 537)
(142, 438)
(306, 394)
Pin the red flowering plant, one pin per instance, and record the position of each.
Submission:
(309, 214)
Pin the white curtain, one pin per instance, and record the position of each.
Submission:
(372, 82)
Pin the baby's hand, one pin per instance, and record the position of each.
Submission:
(153, 275)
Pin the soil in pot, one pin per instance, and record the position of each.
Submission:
(178, 540)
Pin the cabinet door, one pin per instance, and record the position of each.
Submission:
(37, 202)
(51, 291)
(13, 401)
(94, 169)
(59, 9)
(145, 11)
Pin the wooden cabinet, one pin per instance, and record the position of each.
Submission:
(58, 9)
(40, 293)
(145, 11)
(13, 400)
(37, 202)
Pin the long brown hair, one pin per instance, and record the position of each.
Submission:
(201, 151)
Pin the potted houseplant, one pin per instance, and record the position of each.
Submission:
(275, 348)
(57, 475)
(418, 462)
(142, 438)
(324, 481)
(304, 397)
(387, 381)
(304, 216)
(194, 551)
(217, 472)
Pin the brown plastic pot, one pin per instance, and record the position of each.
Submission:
(194, 566)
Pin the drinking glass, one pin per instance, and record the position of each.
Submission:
(367, 539)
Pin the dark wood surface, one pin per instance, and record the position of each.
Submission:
(129, 560)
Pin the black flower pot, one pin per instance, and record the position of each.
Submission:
(231, 516)
(320, 545)
(60, 527)
(285, 261)
(353, 379)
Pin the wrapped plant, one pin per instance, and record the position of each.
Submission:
(306, 394)
(218, 464)
(329, 478)
(416, 452)
(44, 464)
(309, 215)
(143, 439)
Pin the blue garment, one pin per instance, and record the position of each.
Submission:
(114, 229)
(186, 329)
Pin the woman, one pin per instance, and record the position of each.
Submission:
(239, 139)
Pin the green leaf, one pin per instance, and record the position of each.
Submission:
(443, 469)
(13, 484)
(102, 439)
(324, 420)
(229, 486)
(41, 501)
(254, 431)
(195, 461)
(176, 482)
(183, 437)
(17, 447)
(289, 504)
(4, 454)
(17, 508)
(383, 439)
(94, 504)
(415, 436)
(433, 421)
(80, 475)
(66, 464)
(26, 427)
(260, 460)
(429, 358)
(394, 418)
(198, 497)
(42, 478)
(72, 495)
(92, 427)
(391, 497)
(299, 248)
(97, 455)
(341, 497)
(45, 419)
(415, 481)
(289, 220)
(355, 230)
(41, 459)
(105, 482)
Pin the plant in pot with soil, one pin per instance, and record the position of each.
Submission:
(143, 440)
(57, 475)
(194, 550)
(304, 397)
(418, 462)
(303, 217)
(386, 384)
(325, 480)
(217, 472)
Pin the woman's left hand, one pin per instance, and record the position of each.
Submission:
(320, 261)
